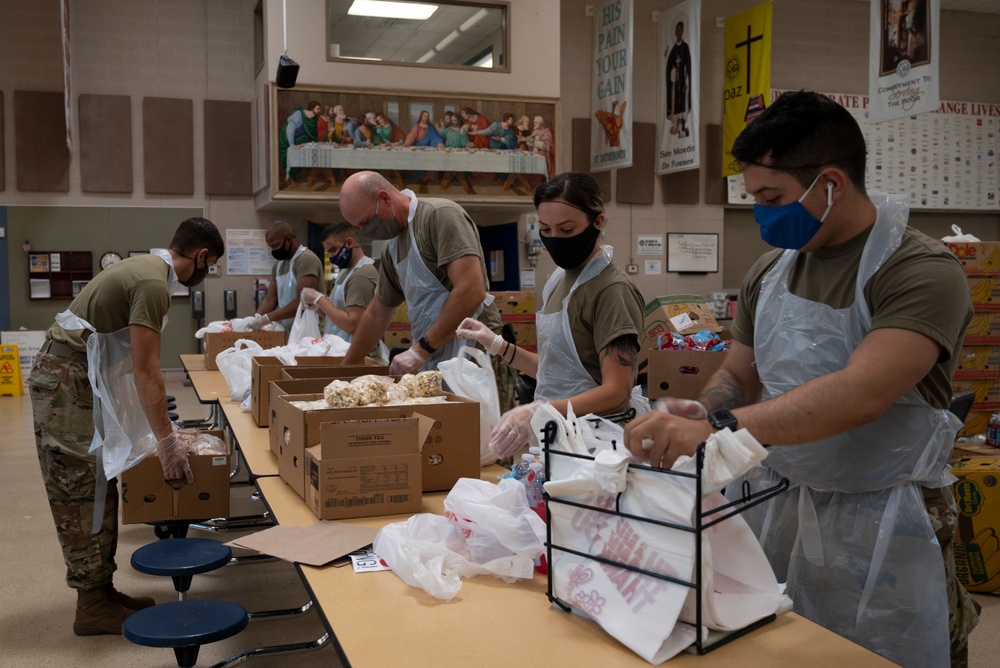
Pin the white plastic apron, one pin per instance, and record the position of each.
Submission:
(852, 535)
(425, 297)
(561, 374)
(338, 300)
(288, 286)
(122, 435)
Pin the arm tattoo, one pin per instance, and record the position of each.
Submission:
(624, 351)
(725, 393)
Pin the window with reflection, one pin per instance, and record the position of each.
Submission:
(450, 34)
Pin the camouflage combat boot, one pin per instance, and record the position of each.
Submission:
(98, 614)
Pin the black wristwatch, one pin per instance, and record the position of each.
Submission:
(722, 418)
(426, 346)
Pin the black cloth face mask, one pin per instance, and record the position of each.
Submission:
(571, 252)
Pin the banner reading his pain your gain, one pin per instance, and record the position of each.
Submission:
(747, 77)
(611, 87)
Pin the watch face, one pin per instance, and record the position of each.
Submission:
(722, 418)
(109, 259)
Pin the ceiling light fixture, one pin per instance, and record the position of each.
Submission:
(392, 10)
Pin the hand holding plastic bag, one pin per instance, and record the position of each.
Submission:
(514, 430)
(173, 458)
(306, 325)
(258, 322)
(470, 374)
(470, 328)
(310, 298)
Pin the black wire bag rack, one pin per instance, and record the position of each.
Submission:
(702, 519)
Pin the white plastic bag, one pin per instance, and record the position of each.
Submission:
(488, 530)
(306, 325)
(236, 365)
(959, 236)
(475, 380)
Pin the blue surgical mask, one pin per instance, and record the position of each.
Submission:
(791, 225)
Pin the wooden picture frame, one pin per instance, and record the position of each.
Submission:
(459, 161)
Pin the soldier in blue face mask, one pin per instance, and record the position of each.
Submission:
(846, 339)
(353, 289)
(589, 323)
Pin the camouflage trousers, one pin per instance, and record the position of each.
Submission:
(62, 405)
(963, 610)
(505, 374)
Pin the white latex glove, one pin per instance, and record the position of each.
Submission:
(173, 458)
(310, 298)
(258, 322)
(409, 361)
(686, 408)
(470, 328)
(513, 431)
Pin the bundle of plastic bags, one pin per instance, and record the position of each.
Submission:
(236, 363)
(234, 325)
(652, 616)
(487, 530)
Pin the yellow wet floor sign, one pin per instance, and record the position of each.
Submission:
(10, 371)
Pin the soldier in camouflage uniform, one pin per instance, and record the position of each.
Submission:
(134, 293)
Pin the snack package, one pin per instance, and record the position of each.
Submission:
(372, 389)
(341, 394)
(427, 384)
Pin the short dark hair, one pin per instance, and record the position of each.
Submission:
(196, 233)
(578, 189)
(341, 229)
(801, 132)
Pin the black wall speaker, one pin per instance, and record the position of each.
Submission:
(288, 70)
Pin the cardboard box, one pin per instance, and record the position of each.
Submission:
(987, 391)
(663, 315)
(975, 423)
(681, 373)
(219, 341)
(266, 369)
(146, 498)
(363, 468)
(450, 452)
(977, 542)
(978, 362)
(983, 329)
(527, 335)
(984, 292)
(392, 339)
(982, 257)
(401, 314)
(516, 305)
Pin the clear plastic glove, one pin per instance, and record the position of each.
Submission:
(470, 328)
(686, 408)
(258, 322)
(173, 458)
(513, 431)
(310, 298)
(409, 361)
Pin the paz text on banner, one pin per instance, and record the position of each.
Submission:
(746, 82)
(677, 146)
(903, 60)
(611, 87)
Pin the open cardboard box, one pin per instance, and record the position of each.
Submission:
(147, 498)
(681, 373)
(363, 468)
(265, 369)
(977, 540)
(450, 451)
(216, 342)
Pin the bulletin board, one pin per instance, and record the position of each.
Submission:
(946, 159)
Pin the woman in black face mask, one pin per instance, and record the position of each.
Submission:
(588, 326)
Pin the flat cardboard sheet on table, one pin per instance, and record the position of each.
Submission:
(315, 545)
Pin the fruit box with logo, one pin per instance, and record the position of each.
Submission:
(978, 362)
(147, 498)
(265, 369)
(977, 540)
(984, 292)
(684, 314)
(983, 329)
(363, 468)
(450, 451)
(216, 342)
(979, 257)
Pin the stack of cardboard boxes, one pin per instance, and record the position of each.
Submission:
(678, 373)
(979, 360)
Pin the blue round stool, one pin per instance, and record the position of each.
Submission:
(185, 626)
(181, 558)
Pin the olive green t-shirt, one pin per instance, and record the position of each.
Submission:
(606, 307)
(360, 286)
(444, 233)
(921, 287)
(131, 292)
(306, 264)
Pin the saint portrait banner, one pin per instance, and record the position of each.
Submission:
(677, 146)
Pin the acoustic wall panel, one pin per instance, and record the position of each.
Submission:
(228, 155)
(581, 156)
(168, 145)
(41, 155)
(3, 150)
(105, 143)
(635, 184)
(711, 160)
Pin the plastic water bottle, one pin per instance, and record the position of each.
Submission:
(537, 453)
(533, 487)
(520, 470)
